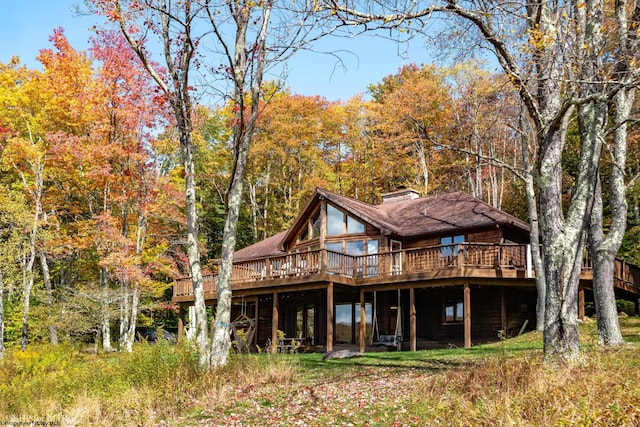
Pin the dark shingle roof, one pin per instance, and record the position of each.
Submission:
(445, 213)
(263, 248)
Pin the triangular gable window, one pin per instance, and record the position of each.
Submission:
(316, 226)
(339, 222)
(312, 229)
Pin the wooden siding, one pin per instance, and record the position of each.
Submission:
(422, 243)
(487, 236)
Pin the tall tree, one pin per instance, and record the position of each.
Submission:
(25, 152)
(129, 111)
(290, 156)
(413, 117)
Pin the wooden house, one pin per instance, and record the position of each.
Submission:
(411, 273)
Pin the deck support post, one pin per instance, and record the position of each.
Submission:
(180, 323)
(329, 317)
(503, 310)
(581, 304)
(412, 320)
(274, 324)
(255, 319)
(363, 323)
(467, 315)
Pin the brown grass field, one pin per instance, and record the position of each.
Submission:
(501, 384)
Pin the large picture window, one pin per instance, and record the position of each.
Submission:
(339, 222)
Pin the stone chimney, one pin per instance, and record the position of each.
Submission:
(402, 193)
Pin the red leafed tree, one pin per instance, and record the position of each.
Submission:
(128, 114)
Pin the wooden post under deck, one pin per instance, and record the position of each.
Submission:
(255, 319)
(413, 320)
(503, 310)
(467, 315)
(274, 324)
(581, 304)
(329, 317)
(180, 324)
(363, 322)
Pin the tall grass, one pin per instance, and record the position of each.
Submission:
(153, 383)
(505, 383)
(604, 390)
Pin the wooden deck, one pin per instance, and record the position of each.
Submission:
(304, 270)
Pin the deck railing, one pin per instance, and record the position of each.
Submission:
(362, 266)
(402, 262)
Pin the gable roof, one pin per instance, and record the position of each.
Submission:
(263, 248)
(435, 214)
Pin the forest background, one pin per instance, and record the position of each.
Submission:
(92, 218)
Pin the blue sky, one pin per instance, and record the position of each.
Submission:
(25, 27)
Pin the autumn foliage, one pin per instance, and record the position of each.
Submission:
(91, 170)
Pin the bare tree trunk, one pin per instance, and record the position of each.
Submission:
(592, 118)
(46, 277)
(132, 313)
(478, 166)
(28, 279)
(132, 316)
(536, 256)
(267, 201)
(201, 330)
(564, 235)
(28, 273)
(190, 330)
(603, 271)
(105, 315)
(255, 210)
(28, 285)
(422, 162)
(124, 316)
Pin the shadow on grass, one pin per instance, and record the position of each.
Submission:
(439, 360)
(430, 361)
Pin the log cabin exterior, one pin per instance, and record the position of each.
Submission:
(411, 273)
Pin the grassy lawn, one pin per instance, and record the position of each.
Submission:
(503, 383)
